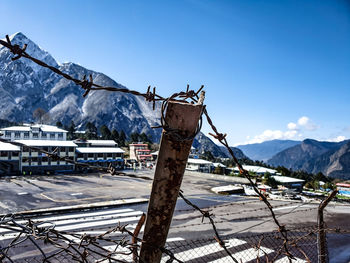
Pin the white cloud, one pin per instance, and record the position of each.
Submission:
(269, 135)
(294, 131)
(292, 126)
(303, 121)
(337, 139)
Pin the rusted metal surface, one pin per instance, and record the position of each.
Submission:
(321, 238)
(171, 164)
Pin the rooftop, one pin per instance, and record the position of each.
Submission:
(47, 143)
(286, 179)
(99, 150)
(257, 169)
(198, 161)
(28, 127)
(9, 147)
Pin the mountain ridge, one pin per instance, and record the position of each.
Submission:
(265, 150)
(26, 86)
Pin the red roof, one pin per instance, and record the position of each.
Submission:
(343, 185)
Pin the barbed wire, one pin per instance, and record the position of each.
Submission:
(221, 137)
(207, 214)
(79, 246)
(151, 96)
(241, 211)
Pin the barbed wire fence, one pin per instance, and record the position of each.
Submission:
(79, 247)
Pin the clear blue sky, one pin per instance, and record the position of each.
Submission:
(264, 64)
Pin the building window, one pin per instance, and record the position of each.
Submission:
(26, 134)
(100, 155)
(109, 155)
(52, 135)
(90, 155)
(35, 135)
(71, 149)
(7, 134)
(15, 154)
(80, 155)
(17, 134)
(44, 135)
(60, 135)
(4, 154)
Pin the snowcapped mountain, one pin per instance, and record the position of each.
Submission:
(25, 86)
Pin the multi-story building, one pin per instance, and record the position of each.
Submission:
(9, 158)
(33, 132)
(140, 152)
(28, 158)
(99, 152)
(37, 162)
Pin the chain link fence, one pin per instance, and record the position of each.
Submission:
(116, 246)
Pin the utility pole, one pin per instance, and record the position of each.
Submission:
(321, 237)
(182, 121)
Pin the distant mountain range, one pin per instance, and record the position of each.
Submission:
(330, 158)
(265, 150)
(312, 156)
(25, 87)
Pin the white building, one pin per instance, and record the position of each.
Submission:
(289, 182)
(37, 162)
(27, 160)
(140, 152)
(100, 153)
(199, 165)
(9, 158)
(33, 132)
(259, 170)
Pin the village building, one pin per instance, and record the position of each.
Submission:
(199, 165)
(343, 189)
(33, 132)
(34, 161)
(103, 153)
(258, 170)
(289, 182)
(140, 152)
(9, 158)
(28, 158)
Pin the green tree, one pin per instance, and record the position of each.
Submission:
(105, 132)
(90, 131)
(144, 138)
(134, 137)
(115, 136)
(283, 170)
(269, 180)
(122, 139)
(71, 131)
(59, 124)
(207, 155)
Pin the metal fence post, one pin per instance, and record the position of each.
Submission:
(321, 237)
(181, 119)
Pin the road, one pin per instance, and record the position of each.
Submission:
(237, 218)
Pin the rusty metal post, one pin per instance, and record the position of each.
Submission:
(321, 237)
(182, 119)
